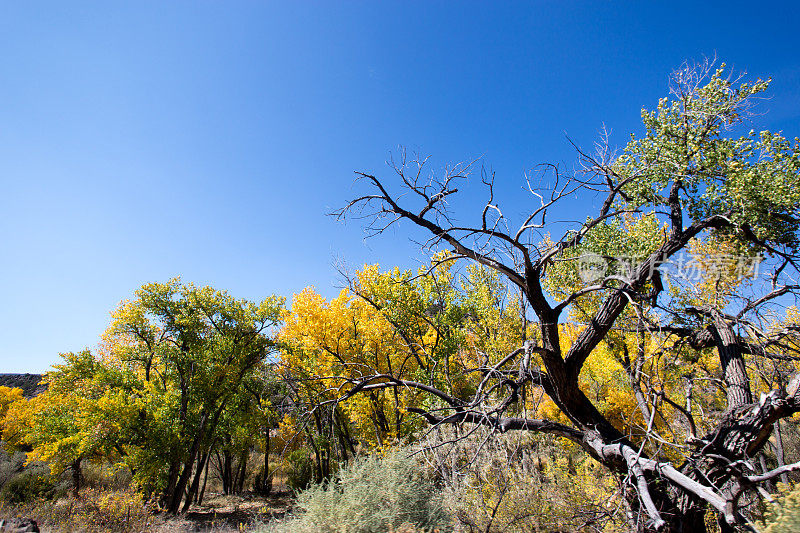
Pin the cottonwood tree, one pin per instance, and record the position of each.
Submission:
(55, 427)
(398, 323)
(182, 354)
(690, 180)
(165, 390)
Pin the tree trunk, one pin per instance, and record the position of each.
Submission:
(779, 453)
(77, 477)
(241, 473)
(226, 472)
(183, 480)
(732, 362)
(264, 485)
(195, 486)
(317, 457)
(203, 490)
(172, 480)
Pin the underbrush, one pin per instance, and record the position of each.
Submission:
(522, 483)
(11, 464)
(22, 482)
(95, 511)
(370, 495)
(783, 515)
(29, 486)
(109, 502)
(299, 470)
(469, 483)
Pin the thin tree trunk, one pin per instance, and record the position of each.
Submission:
(205, 481)
(241, 473)
(318, 459)
(266, 487)
(194, 487)
(77, 477)
(227, 472)
(779, 453)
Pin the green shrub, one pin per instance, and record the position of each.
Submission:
(11, 464)
(371, 495)
(299, 470)
(28, 486)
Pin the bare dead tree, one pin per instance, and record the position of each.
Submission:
(666, 175)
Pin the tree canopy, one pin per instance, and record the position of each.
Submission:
(161, 392)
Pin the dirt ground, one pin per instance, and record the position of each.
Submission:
(222, 514)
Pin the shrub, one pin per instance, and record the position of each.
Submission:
(97, 511)
(11, 464)
(105, 476)
(115, 510)
(28, 486)
(299, 470)
(783, 516)
(520, 482)
(371, 495)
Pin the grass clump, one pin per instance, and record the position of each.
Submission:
(370, 495)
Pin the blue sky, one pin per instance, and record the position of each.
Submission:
(145, 140)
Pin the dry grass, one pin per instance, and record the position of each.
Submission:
(123, 511)
(95, 511)
(110, 504)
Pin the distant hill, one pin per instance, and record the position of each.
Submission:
(29, 383)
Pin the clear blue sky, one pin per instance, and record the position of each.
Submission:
(144, 140)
